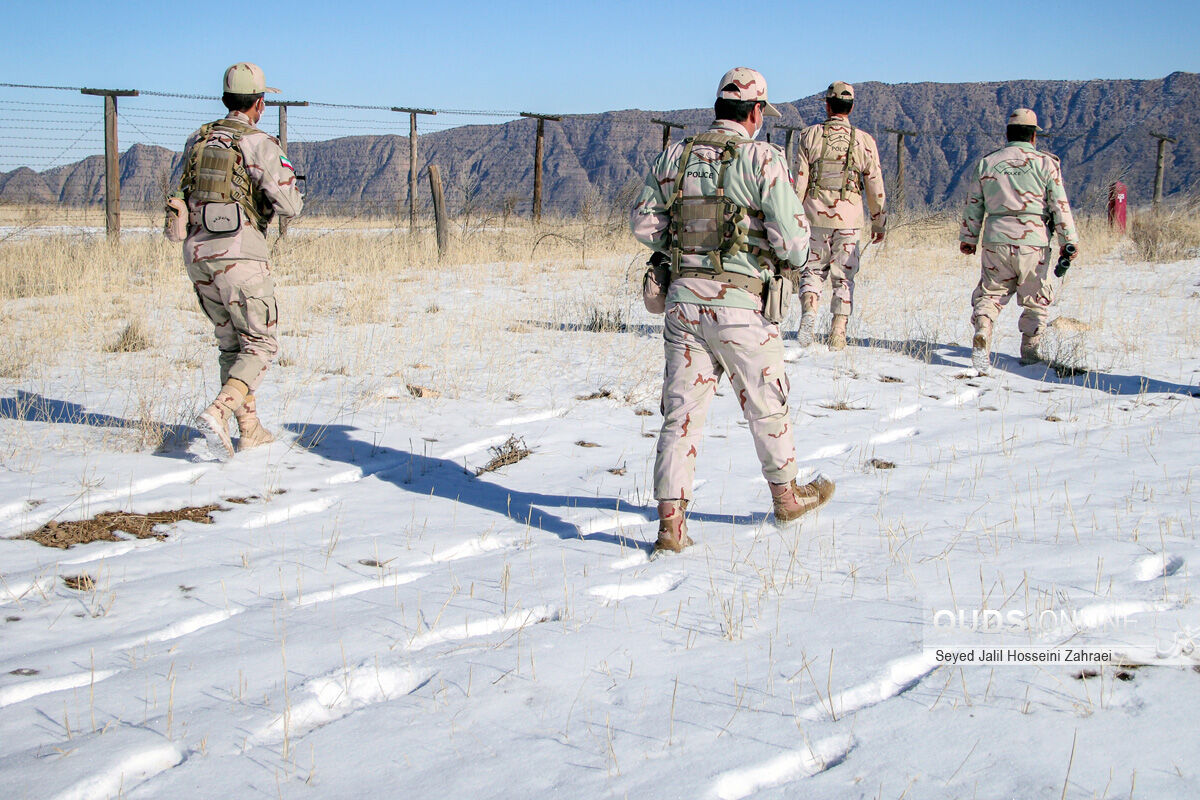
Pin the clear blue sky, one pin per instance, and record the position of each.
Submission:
(585, 56)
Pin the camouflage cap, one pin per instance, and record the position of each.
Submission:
(839, 90)
(1024, 116)
(743, 83)
(246, 78)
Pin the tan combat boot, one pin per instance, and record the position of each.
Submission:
(791, 501)
(252, 433)
(672, 527)
(1029, 348)
(837, 332)
(981, 345)
(808, 318)
(214, 420)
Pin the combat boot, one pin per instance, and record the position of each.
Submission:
(808, 318)
(251, 431)
(791, 501)
(214, 420)
(837, 332)
(1029, 348)
(981, 345)
(672, 527)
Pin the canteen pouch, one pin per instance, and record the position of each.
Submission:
(655, 282)
(221, 217)
(776, 291)
(175, 227)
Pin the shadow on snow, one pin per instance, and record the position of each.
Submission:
(439, 477)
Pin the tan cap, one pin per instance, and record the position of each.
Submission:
(839, 90)
(246, 78)
(1024, 116)
(743, 83)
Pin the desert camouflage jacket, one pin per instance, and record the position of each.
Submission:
(825, 206)
(1009, 195)
(274, 182)
(758, 179)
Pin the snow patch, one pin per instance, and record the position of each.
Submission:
(339, 694)
(893, 435)
(659, 584)
(182, 628)
(792, 766)
(475, 547)
(358, 587)
(900, 676)
(20, 692)
(477, 446)
(611, 522)
(485, 627)
(537, 416)
(1158, 565)
(288, 513)
(904, 411)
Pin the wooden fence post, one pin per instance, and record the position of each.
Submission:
(666, 128)
(1160, 166)
(283, 107)
(900, 134)
(112, 170)
(412, 162)
(439, 209)
(537, 160)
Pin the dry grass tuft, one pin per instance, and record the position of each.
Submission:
(1167, 235)
(104, 527)
(131, 340)
(879, 463)
(422, 391)
(512, 451)
(80, 583)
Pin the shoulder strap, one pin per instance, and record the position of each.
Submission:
(683, 162)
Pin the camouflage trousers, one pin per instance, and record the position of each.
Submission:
(239, 298)
(1009, 269)
(833, 254)
(702, 343)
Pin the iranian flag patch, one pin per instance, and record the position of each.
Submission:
(283, 161)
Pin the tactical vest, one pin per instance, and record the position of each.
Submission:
(215, 172)
(712, 225)
(851, 178)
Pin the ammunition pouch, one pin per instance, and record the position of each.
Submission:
(775, 295)
(221, 218)
(713, 226)
(849, 182)
(215, 174)
(655, 282)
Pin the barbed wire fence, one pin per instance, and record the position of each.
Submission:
(52, 150)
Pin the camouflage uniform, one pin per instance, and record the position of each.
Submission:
(713, 327)
(833, 202)
(229, 271)
(1012, 192)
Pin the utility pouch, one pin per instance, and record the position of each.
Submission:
(221, 217)
(776, 291)
(175, 227)
(655, 283)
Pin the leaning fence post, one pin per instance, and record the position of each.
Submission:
(439, 209)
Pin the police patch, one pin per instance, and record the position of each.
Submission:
(285, 163)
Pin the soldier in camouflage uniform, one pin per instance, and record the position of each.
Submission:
(235, 179)
(838, 165)
(1015, 193)
(723, 207)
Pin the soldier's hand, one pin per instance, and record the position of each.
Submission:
(1074, 253)
(876, 237)
(966, 249)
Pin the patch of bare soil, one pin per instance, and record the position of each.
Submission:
(104, 527)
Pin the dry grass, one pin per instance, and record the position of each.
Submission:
(105, 527)
(131, 339)
(512, 451)
(1169, 234)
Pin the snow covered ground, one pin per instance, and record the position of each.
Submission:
(367, 617)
